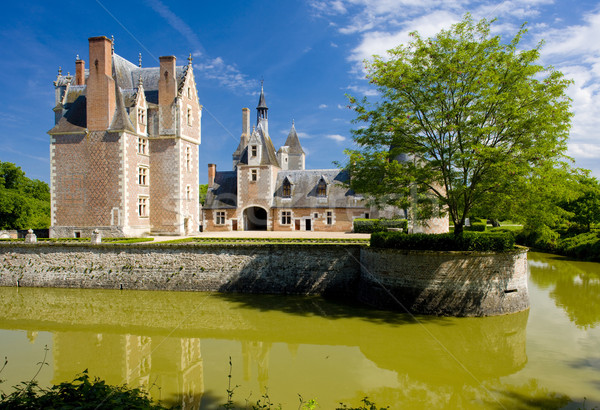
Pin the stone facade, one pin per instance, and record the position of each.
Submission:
(434, 283)
(124, 148)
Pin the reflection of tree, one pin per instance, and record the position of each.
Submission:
(576, 286)
(529, 396)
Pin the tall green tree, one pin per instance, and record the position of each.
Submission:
(463, 119)
(24, 202)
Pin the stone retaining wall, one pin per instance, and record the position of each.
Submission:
(436, 283)
(283, 269)
(445, 283)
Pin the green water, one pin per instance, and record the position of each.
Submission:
(178, 346)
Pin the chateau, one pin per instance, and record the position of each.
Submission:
(272, 190)
(124, 148)
(124, 161)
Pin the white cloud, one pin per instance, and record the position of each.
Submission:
(584, 150)
(336, 137)
(322, 106)
(379, 42)
(226, 74)
(367, 91)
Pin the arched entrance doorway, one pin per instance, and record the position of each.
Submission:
(255, 219)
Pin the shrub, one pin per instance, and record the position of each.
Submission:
(476, 227)
(80, 393)
(584, 246)
(362, 225)
(468, 241)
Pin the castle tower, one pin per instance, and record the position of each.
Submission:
(292, 158)
(124, 148)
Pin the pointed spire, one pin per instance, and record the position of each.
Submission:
(293, 142)
(59, 71)
(140, 81)
(140, 60)
(190, 59)
(261, 110)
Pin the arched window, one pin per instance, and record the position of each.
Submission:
(322, 188)
(287, 189)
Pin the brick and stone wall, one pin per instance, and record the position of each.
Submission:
(324, 270)
(86, 182)
(445, 283)
(435, 283)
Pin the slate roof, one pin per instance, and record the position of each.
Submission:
(223, 194)
(304, 190)
(269, 156)
(127, 77)
(293, 142)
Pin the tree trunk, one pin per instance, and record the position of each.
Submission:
(458, 228)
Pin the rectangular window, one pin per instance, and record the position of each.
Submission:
(329, 218)
(142, 145)
(142, 207)
(188, 192)
(286, 217)
(316, 215)
(366, 215)
(220, 218)
(188, 158)
(189, 116)
(253, 151)
(253, 175)
(142, 176)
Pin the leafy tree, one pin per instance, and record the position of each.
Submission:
(463, 120)
(586, 207)
(24, 203)
(202, 193)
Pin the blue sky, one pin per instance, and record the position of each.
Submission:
(309, 53)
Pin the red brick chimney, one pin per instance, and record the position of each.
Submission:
(212, 172)
(167, 83)
(79, 71)
(100, 93)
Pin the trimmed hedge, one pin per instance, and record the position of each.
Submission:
(362, 225)
(468, 241)
(476, 227)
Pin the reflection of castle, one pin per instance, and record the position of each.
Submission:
(170, 369)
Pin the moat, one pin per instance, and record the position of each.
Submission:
(178, 345)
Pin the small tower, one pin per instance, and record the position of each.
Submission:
(262, 115)
(295, 153)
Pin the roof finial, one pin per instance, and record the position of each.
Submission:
(292, 122)
(140, 60)
(59, 70)
(140, 81)
(112, 46)
(190, 59)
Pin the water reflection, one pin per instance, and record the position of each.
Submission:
(573, 285)
(177, 345)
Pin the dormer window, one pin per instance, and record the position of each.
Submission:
(286, 189)
(322, 188)
(141, 116)
(253, 150)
